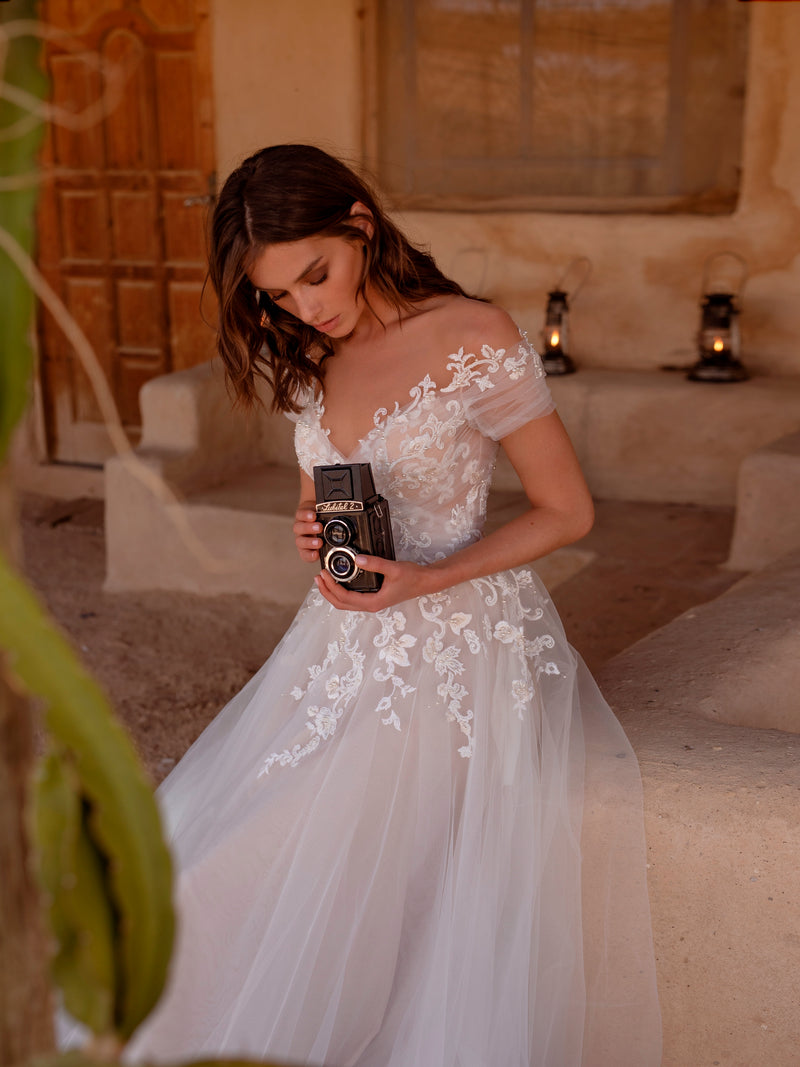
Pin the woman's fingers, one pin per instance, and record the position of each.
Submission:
(401, 581)
(307, 533)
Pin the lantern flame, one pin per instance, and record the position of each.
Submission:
(555, 337)
(718, 344)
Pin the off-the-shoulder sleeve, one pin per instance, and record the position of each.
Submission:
(303, 398)
(501, 388)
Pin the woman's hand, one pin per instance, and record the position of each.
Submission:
(401, 581)
(307, 531)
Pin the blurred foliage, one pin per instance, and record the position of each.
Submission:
(106, 870)
(18, 152)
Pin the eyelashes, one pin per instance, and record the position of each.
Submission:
(282, 296)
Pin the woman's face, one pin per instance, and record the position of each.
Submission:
(316, 280)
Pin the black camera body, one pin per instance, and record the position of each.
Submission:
(355, 519)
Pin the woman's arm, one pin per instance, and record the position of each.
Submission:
(561, 508)
(560, 512)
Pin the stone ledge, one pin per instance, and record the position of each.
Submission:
(735, 659)
(653, 435)
(216, 541)
(640, 435)
(190, 417)
(768, 505)
(723, 835)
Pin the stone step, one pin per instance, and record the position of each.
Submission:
(768, 505)
(700, 700)
(734, 659)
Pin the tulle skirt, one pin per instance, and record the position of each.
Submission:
(413, 838)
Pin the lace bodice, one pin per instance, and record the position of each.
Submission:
(433, 457)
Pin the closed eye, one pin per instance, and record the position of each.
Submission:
(277, 297)
(315, 274)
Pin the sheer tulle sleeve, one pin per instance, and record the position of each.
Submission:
(501, 388)
(304, 398)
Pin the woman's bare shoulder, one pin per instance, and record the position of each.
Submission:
(461, 322)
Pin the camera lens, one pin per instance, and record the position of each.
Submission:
(341, 564)
(337, 532)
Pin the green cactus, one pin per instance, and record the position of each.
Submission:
(115, 820)
(72, 874)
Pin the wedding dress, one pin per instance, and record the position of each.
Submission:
(415, 837)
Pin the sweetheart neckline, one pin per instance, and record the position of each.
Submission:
(416, 393)
(398, 409)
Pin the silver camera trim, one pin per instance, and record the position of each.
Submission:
(345, 525)
(347, 551)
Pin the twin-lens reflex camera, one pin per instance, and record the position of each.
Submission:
(355, 520)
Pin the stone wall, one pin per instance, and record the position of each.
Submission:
(297, 69)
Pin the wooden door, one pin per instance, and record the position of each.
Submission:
(122, 219)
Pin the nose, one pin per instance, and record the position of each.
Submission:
(308, 306)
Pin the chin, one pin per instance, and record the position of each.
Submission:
(343, 330)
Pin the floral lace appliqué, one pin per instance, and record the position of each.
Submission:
(393, 645)
(530, 650)
(472, 369)
(340, 689)
(448, 638)
(447, 660)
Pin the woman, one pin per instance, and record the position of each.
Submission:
(414, 838)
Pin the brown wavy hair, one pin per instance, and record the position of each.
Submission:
(287, 193)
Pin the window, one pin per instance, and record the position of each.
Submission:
(596, 105)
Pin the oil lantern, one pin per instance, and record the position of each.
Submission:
(555, 349)
(555, 336)
(718, 342)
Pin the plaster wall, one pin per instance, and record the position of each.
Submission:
(285, 71)
(294, 70)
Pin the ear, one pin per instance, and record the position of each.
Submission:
(361, 217)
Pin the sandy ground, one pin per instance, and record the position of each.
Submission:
(170, 661)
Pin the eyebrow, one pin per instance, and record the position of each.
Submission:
(300, 277)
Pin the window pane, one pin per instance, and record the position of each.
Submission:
(468, 78)
(600, 101)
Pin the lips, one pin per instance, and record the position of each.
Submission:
(326, 327)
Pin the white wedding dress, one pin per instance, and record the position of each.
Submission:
(415, 838)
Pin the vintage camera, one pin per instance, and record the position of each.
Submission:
(354, 519)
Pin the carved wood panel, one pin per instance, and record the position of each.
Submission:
(121, 226)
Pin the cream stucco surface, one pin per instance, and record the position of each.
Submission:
(285, 70)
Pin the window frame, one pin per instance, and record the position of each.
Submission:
(720, 198)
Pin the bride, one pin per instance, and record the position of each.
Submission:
(415, 836)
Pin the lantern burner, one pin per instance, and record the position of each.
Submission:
(718, 342)
(555, 357)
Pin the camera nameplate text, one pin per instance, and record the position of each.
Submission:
(340, 505)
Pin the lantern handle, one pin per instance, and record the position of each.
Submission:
(720, 255)
(587, 265)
